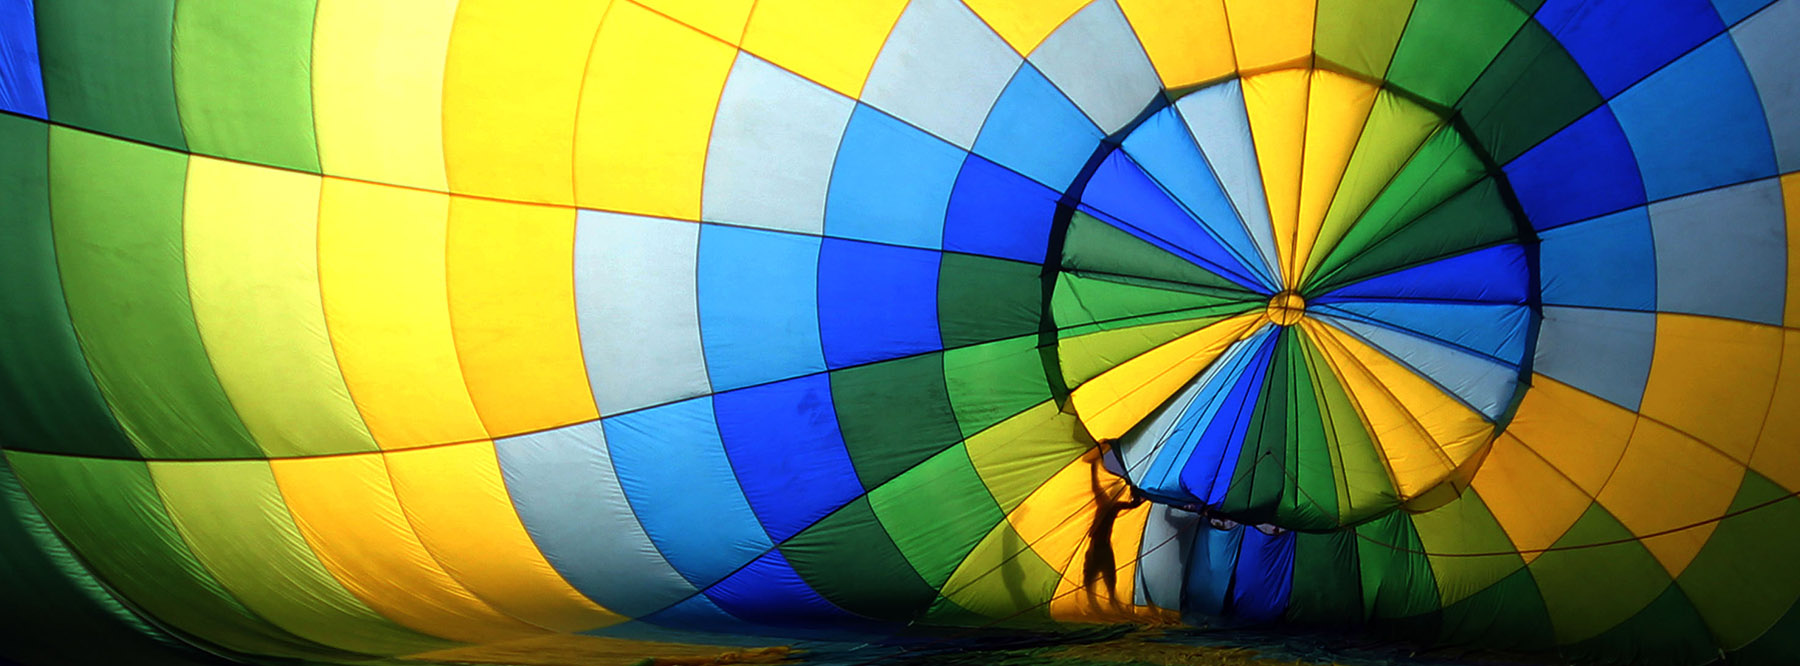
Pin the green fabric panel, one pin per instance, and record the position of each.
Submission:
(1085, 357)
(1506, 615)
(1448, 43)
(1092, 246)
(1358, 36)
(1745, 577)
(1396, 576)
(1312, 500)
(1591, 589)
(1396, 130)
(108, 67)
(894, 414)
(1532, 90)
(1478, 217)
(1260, 480)
(992, 382)
(111, 514)
(1465, 526)
(48, 400)
(53, 611)
(1082, 305)
(981, 299)
(1441, 168)
(1529, 6)
(1003, 578)
(234, 520)
(849, 559)
(244, 72)
(1776, 647)
(1016, 456)
(1360, 479)
(936, 513)
(1327, 587)
(1666, 632)
(118, 240)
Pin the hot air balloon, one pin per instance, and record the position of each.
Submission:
(439, 331)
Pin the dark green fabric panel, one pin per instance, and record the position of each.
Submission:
(1259, 481)
(1507, 615)
(990, 383)
(1533, 89)
(1590, 588)
(48, 400)
(112, 515)
(1093, 246)
(1442, 167)
(118, 224)
(850, 560)
(1397, 581)
(1776, 647)
(937, 512)
(1667, 632)
(894, 414)
(1085, 304)
(1327, 583)
(108, 67)
(1478, 217)
(1448, 43)
(1746, 575)
(1359, 36)
(981, 299)
(53, 611)
(244, 71)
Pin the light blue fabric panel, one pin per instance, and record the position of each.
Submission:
(1215, 117)
(563, 484)
(1606, 262)
(1163, 147)
(759, 305)
(1733, 11)
(1604, 352)
(1723, 253)
(1162, 554)
(1036, 131)
(773, 141)
(673, 467)
(636, 307)
(1478, 382)
(1155, 453)
(1497, 331)
(941, 70)
(1767, 43)
(891, 182)
(1697, 123)
(1095, 58)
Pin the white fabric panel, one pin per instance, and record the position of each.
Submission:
(941, 70)
(774, 141)
(636, 307)
(1221, 127)
(1096, 60)
(1767, 42)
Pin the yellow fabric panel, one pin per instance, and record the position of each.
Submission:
(1337, 111)
(646, 114)
(1271, 33)
(1580, 435)
(512, 84)
(831, 42)
(1712, 378)
(1777, 456)
(347, 509)
(1015, 455)
(1085, 356)
(1790, 196)
(1025, 23)
(457, 501)
(1118, 399)
(1078, 601)
(1399, 127)
(723, 19)
(1189, 42)
(562, 650)
(381, 269)
(1276, 105)
(378, 89)
(1533, 502)
(512, 306)
(1054, 519)
(251, 237)
(1668, 481)
(232, 517)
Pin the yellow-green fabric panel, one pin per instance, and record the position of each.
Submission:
(382, 273)
(1338, 110)
(1394, 131)
(378, 89)
(251, 236)
(232, 515)
(243, 89)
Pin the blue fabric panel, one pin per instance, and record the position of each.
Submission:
(784, 442)
(1617, 42)
(563, 485)
(1209, 571)
(1220, 439)
(1165, 149)
(1493, 330)
(673, 468)
(1265, 575)
(1733, 11)
(1122, 191)
(1723, 253)
(1697, 124)
(21, 76)
(1581, 172)
(1034, 130)
(891, 182)
(998, 213)
(699, 613)
(876, 302)
(1198, 404)
(1493, 275)
(1479, 382)
(768, 591)
(759, 316)
(1604, 352)
(1606, 262)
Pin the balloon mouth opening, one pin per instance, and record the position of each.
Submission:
(1286, 308)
